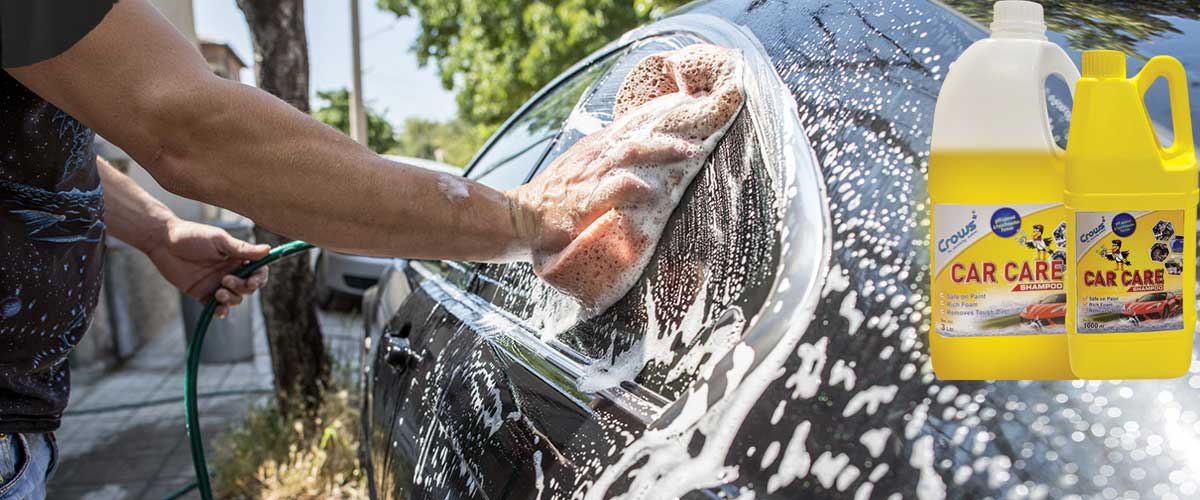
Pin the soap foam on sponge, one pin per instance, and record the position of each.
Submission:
(670, 113)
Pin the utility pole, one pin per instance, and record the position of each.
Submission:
(358, 114)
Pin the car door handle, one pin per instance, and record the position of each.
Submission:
(398, 353)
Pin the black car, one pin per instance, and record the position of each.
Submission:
(776, 347)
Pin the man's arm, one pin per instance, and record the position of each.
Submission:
(136, 81)
(131, 214)
(194, 257)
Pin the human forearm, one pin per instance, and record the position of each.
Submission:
(196, 258)
(141, 85)
(131, 214)
(306, 180)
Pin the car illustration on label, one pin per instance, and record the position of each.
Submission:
(1049, 311)
(1157, 305)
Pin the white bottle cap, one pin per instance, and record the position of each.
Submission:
(1018, 19)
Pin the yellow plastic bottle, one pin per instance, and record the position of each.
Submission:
(1132, 207)
(997, 246)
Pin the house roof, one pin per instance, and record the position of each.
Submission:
(225, 47)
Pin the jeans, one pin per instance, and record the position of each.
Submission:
(26, 462)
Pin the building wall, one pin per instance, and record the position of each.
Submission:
(222, 60)
(179, 12)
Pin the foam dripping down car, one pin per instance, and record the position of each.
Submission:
(669, 114)
(775, 344)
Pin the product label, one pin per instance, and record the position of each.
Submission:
(998, 269)
(1130, 267)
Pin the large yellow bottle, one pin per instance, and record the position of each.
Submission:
(998, 224)
(1132, 215)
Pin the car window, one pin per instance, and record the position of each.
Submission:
(708, 276)
(595, 109)
(1058, 298)
(514, 153)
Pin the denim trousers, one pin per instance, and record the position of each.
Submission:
(26, 463)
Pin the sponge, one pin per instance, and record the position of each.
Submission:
(671, 111)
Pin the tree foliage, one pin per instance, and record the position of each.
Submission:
(453, 142)
(496, 53)
(1100, 25)
(335, 112)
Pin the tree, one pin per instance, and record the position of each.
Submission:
(381, 137)
(1100, 25)
(453, 142)
(298, 357)
(497, 53)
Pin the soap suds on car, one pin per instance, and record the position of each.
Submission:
(671, 112)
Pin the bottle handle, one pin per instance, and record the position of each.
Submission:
(1170, 68)
(1055, 62)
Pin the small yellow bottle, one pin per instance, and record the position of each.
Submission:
(1131, 218)
(997, 246)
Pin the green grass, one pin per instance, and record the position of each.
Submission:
(270, 456)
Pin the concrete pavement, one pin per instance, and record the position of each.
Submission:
(123, 435)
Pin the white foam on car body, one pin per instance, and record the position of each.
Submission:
(608, 254)
(669, 469)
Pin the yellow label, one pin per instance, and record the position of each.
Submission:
(1129, 271)
(998, 269)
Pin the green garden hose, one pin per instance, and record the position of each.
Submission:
(193, 368)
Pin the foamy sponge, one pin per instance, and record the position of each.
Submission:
(615, 189)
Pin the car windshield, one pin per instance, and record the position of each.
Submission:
(510, 158)
(1058, 298)
(708, 275)
(1152, 297)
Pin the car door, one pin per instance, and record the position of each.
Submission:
(424, 370)
(845, 406)
(490, 384)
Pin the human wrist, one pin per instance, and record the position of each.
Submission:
(156, 234)
(522, 221)
(533, 228)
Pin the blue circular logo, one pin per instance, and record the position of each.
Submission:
(1006, 222)
(1123, 224)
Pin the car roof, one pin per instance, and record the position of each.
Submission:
(865, 79)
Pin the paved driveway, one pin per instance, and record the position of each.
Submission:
(123, 436)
